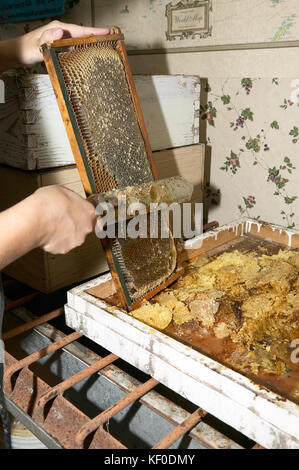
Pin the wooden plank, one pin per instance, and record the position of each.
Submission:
(187, 162)
(31, 270)
(88, 39)
(32, 134)
(47, 273)
(83, 262)
(68, 177)
(22, 187)
(170, 105)
(275, 233)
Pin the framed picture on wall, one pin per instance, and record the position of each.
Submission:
(188, 19)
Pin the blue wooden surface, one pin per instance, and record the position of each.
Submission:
(23, 10)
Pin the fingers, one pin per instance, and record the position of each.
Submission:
(57, 30)
(51, 35)
(30, 43)
(78, 31)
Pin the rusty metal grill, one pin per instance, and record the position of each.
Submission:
(48, 411)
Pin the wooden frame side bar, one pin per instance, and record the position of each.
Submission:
(48, 58)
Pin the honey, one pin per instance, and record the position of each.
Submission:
(246, 299)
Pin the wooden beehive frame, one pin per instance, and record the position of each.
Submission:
(50, 52)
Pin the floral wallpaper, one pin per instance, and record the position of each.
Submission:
(252, 126)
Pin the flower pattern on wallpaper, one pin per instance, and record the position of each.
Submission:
(262, 138)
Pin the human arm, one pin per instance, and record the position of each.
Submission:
(53, 218)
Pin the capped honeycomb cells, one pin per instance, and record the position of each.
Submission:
(98, 91)
(145, 263)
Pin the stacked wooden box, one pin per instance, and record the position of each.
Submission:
(35, 152)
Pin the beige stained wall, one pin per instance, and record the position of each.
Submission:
(249, 113)
(144, 22)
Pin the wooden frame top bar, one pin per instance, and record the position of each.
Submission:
(83, 40)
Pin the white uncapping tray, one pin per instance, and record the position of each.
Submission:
(260, 414)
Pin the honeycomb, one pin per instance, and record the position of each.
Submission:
(145, 262)
(97, 88)
(167, 190)
(249, 300)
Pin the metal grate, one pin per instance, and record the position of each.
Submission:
(48, 410)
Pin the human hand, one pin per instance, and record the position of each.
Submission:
(29, 44)
(65, 218)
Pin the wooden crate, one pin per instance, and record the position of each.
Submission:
(48, 273)
(32, 134)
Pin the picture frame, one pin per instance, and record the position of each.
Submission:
(186, 19)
